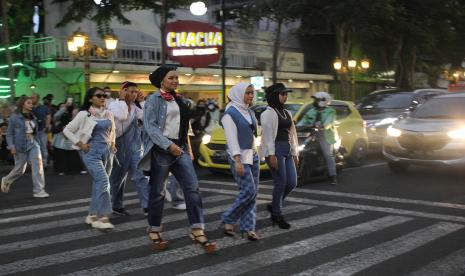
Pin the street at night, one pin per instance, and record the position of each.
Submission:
(373, 223)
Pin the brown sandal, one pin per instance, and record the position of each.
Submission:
(207, 245)
(158, 243)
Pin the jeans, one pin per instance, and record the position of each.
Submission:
(175, 191)
(98, 161)
(43, 138)
(34, 157)
(285, 178)
(328, 153)
(162, 163)
(127, 159)
(244, 207)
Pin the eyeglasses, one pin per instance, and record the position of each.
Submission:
(101, 96)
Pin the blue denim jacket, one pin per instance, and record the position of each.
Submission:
(154, 123)
(16, 133)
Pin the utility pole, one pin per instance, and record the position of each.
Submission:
(163, 20)
(6, 41)
(223, 56)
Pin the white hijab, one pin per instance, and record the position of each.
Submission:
(236, 95)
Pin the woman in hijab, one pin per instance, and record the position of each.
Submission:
(280, 148)
(240, 127)
(167, 148)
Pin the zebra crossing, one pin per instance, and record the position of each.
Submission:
(332, 233)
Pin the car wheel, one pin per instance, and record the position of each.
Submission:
(397, 167)
(359, 154)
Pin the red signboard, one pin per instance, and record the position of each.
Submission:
(192, 43)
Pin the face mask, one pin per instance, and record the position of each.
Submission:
(322, 104)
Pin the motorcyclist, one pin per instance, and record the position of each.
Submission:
(322, 117)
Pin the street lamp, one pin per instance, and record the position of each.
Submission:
(198, 8)
(350, 66)
(79, 46)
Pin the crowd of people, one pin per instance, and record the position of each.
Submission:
(151, 138)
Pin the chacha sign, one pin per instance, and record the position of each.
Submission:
(192, 43)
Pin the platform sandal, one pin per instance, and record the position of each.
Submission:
(207, 245)
(158, 243)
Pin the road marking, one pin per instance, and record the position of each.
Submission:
(88, 233)
(185, 252)
(268, 257)
(73, 221)
(109, 248)
(51, 205)
(371, 208)
(365, 166)
(451, 265)
(361, 260)
(358, 196)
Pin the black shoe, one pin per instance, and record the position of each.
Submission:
(279, 220)
(146, 211)
(333, 180)
(121, 212)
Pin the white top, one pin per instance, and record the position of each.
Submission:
(30, 125)
(230, 130)
(123, 118)
(173, 120)
(269, 120)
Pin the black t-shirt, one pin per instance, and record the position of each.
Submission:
(284, 125)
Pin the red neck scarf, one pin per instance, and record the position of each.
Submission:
(166, 95)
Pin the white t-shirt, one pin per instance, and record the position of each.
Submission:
(173, 120)
(30, 125)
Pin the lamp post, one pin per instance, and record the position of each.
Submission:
(349, 67)
(80, 47)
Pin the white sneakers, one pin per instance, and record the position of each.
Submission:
(5, 187)
(41, 194)
(181, 206)
(102, 223)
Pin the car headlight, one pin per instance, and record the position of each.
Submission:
(457, 134)
(337, 145)
(206, 139)
(258, 141)
(301, 147)
(386, 121)
(393, 132)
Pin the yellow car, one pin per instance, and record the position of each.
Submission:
(350, 125)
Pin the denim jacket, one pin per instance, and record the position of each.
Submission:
(154, 123)
(16, 133)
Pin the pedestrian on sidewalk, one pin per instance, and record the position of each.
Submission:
(167, 149)
(23, 142)
(128, 116)
(92, 131)
(240, 127)
(280, 148)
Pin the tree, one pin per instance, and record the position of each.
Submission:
(114, 9)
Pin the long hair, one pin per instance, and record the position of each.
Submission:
(20, 103)
(90, 93)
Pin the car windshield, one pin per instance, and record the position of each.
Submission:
(292, 108)
(441, 108)
(396, 100)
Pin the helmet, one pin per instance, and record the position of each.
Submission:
(322, 99)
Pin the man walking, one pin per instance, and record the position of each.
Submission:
(44, 121)
(127, 112)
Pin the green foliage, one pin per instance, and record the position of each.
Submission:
(19, 19)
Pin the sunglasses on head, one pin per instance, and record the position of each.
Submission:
(101, 95)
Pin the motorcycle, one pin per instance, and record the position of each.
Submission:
(312, 162)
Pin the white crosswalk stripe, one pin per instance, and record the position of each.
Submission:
(353, 220)
(363, 259)
(108, 248)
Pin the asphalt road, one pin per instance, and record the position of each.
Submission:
(373, 223)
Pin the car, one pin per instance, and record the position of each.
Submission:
(433, 134)
(212, 150)
(381, 108)
(213, 153)
(350, 127)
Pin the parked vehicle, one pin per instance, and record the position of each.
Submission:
(381, 108)
(433, 134)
